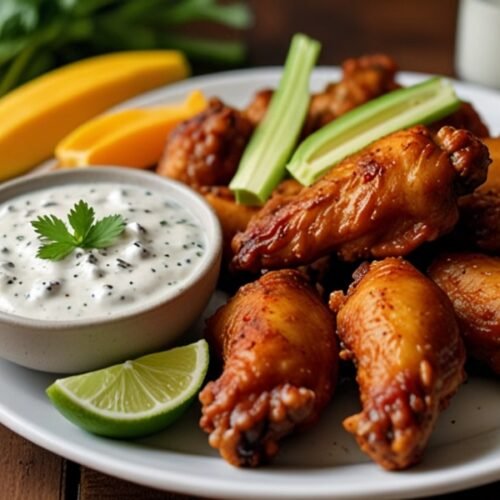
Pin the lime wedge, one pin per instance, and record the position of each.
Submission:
(134, 398)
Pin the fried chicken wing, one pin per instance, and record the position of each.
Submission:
(472, 282)
(279, 348)
(401, 332)
(363, 79)
(466, 117)
(206, 149)
(384, 201)
(480, 211)
(257, 108)
(234, 217)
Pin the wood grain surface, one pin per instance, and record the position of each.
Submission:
(419, 34)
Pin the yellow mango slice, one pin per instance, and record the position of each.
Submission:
(132, 138)
(37, 115)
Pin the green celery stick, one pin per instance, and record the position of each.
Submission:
(263, 163)
(419, 104)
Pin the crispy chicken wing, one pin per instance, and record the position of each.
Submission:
(232, 216)
(466, 117)
(280, 362)
(363, 79)
(480, 211)
(472, 282)
(401, 331)
(385, 200)
(257, 108)
(206, 149)
(235, 217)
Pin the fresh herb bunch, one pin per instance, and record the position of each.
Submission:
(58, 242)
(38, 35)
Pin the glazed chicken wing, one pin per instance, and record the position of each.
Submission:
(363, 79)
(480, 211)
(235, 217)
(279, 348)
(385, 200)
(472, 282)
(401, 332)
(206, 150)
(465, 117)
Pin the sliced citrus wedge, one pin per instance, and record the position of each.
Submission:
(134, 398)
(131, 137)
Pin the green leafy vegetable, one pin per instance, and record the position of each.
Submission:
(423, 103)
(58, 242)
(38, 35)
(263, 163)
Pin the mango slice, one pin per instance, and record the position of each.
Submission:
(132, 138)
(36, 116)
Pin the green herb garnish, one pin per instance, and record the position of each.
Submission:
(58, 242)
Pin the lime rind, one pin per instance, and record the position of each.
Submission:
(122, 421)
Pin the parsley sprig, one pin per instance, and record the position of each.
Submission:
(58, 242)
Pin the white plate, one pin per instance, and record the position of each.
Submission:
(324, 462)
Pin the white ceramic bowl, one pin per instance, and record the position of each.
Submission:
(85, 344)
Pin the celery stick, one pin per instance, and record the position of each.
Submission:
(263, 163)
(419, 104)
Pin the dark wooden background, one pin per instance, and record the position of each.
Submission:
(419, 34)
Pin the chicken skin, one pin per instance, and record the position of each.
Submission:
(277, 340)
(472, 282)
(234, 217)
(465, 117)
(363, 79)
(386, 200)
(206, 149)
(401, 332)
(480, 211)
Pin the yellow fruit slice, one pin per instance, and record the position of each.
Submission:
(133, 137)
(36, 116)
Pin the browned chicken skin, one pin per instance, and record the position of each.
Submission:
(384, 201)
(206, 150)
(472, 282)
(401, 331)
(363, 79)
(279, 348)
(234, 217)
(480, 211)
(465, 117)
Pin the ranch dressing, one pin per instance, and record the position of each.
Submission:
(161, 246)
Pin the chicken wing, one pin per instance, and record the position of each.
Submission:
(279, 348)
(235, 217)
(401, 331)
(480, 211)
(363, 79)
(384, 201)
(472, 282)
(206, 150)
(466, 117)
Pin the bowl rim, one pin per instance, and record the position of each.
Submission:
(114, 173)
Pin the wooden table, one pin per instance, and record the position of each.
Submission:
(418, 33)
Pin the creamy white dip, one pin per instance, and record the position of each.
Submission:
(161, 247)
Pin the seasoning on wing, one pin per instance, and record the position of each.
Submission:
(206, 150)
(278, 343)
(363, 79)
(472, 282)
(480, 211)
(386, 200)
(401, 331)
